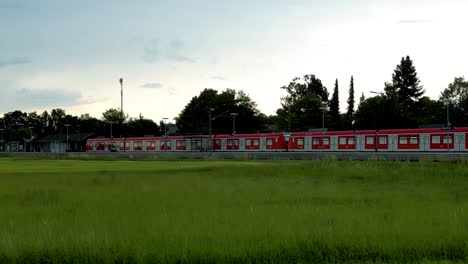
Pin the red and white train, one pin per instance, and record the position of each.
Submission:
(391, 140)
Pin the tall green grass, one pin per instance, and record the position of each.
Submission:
(70, 211)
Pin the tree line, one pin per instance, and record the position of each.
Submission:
(400, 103)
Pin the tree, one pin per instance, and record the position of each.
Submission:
(335, 106)
(350, 110)
(407, 84)
(457, 93)
(362, 98)
(194, 119)
(114, 115)
(138, 127)
(300, 108)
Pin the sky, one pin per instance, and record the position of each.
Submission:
(71, 54)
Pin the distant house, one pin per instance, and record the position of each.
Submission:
(59, 143)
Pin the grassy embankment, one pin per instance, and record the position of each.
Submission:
(69, 211)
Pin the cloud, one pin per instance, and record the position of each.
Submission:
(91, 100)
(30, 99)
(14, 61)
(10, 4)
(219, 78)
(413, 21)
(179, 58)
(152, 85)
(175, 51)
(171, 90)
(151, 51)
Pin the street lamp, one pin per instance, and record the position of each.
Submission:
(2, 141)
(111, 135)
(31, 140)
(379, 93)
(67, 126)
(233, 122)
(323, 108)
(447, 104)
(165, 133)
(210, 130)
(121, 97)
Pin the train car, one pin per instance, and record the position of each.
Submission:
(250, 142)
(388, 140)
(104, 144)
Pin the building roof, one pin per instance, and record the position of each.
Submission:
(63, 137)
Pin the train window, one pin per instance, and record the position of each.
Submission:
(447, 140)
(300, 141)
(168, 143)
(236, 142)
(255, 142)
(248, 142)
(435, 139)
(403, 140)
(315, 141)
(269, 142)
(414, 140)
(218, 142)
(342, 141)
(178, 143)
(350, 141)
(326, 141)
(383, 140)
(229, 142)
(369, 140)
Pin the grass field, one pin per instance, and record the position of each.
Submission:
(70, 211)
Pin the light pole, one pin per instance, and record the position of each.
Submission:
(447, 104)
(165, 133)
(234, 123)
(111, 135)
(121, 96)
(210, 129)
(79, 138)
(31, 140)
(379, 93)
(3, 140)
(323, 108)
(67, 126)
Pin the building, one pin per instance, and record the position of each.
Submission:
(58, 143)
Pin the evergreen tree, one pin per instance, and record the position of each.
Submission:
(407, 84)
(335, 105)
(350, 110)
(362, 99)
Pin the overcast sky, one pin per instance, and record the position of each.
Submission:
(71, 54)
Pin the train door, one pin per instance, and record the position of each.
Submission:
(263, 146)
(241, 144)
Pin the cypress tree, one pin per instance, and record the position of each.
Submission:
(335, 104)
